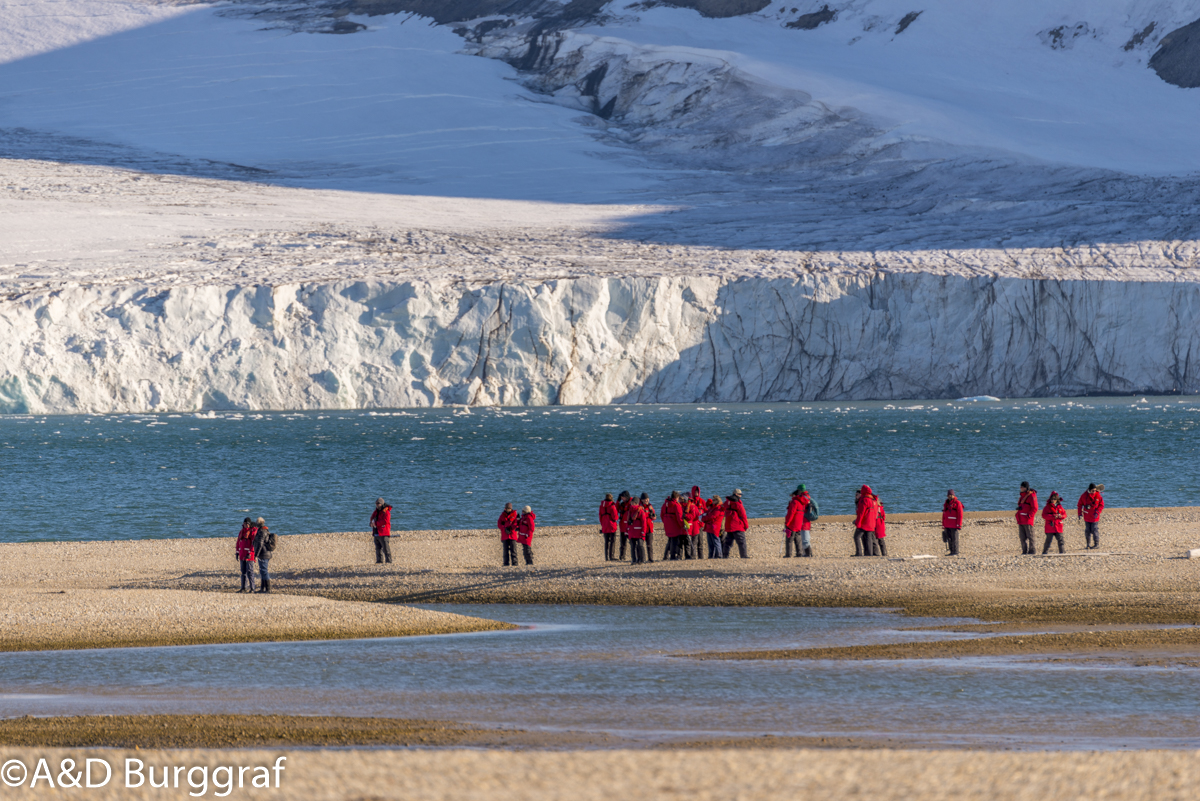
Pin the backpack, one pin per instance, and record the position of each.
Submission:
(812, 512)
(270, 543)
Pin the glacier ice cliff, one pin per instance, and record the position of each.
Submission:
(592, 340)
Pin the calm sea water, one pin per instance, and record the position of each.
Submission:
(148, 476)
(616, 670)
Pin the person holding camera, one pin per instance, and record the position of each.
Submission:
(381, 530)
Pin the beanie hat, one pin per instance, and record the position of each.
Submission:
(527, 510)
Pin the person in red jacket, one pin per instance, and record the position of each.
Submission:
(610, 524)
(693, 511)
(507, 523)
(736, 524)
(638, 524)
(244, 550)
(1054, 514)
(865, 518)
(381, 530)
(624, 502)
(880, 542)
(713, 521)
(1091, 504)
(796, 526)
(644, 501)
(1027, 509)
(952, 521)
(673, 526)
(525, 526)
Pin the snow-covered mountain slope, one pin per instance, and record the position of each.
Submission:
(315, 204)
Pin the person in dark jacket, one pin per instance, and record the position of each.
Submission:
(736, 524)
(381, 530)
(507, 524)
(244, 550)
(1054, 514)
(610, 524)
(952, 521)
(264, 546)
(1027, 509)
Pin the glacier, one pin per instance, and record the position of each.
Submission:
(226, 207)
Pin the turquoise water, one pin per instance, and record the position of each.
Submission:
(145, 476)
(617, 670)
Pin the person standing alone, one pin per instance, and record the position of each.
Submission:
(1091, 504)
(1027, 509)
(381, 530)
(609, 525)
(952, 521)
(507, 523)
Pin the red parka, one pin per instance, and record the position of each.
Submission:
(714, 516)
(1090, 505)
(735, 515)
(381, 519)
(507, 523)
(866, 512)
(797, 506)
(1054, 514)
(700, 504)
(691, 517)
(245, 543)
(638, 522)
(609, 517)
(525, 528)
(623, 514)
(672, 518)
(1027, 508)
(880, 520)
(952, 513)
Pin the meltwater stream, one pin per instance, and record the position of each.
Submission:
(616, 670)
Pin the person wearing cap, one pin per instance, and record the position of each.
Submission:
(525, 526)
(1054, 514)
(507, 523)
(952, 520)
(610, 524)
(796, 525)
(1091, 504)
(244, 550)
(264, 546)
(381, 530)
(644, 502)
(713, 520)
(1027, 509)
(736, 524)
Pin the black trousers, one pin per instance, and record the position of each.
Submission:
(528, 553)
(950, 537)
(691, 551)
(862, 545)
(871, 544)
(383, 550)
(1049, 537)
(510, 553)
(881, 546)
(740, 538)
(1091, 533)
(674, 548)
(1026, 535)
(649, 546)
(624, 545)
(610, 545)
(637, 551)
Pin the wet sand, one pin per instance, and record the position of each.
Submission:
(744, 774)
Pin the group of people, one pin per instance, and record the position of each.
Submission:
(255, 544)
(1089, 507)
(685, 516)
(516, 529)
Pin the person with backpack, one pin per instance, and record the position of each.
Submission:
(736, 524)
(1027, 509)
(865, 518)
(507, 523)
(797, 525)
(1091, 504)
(244, 550)
(264, 547)
(610, 524)
(713, 520)
(381, 530)
(525, 527)
(1054, 514)
(952, 521)
(638, 524)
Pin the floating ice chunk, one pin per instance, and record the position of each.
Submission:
(978, 399)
